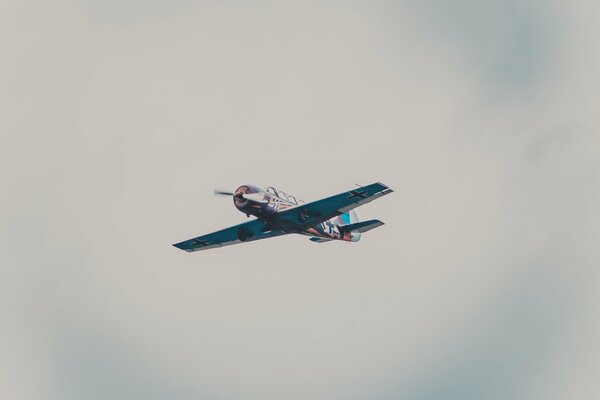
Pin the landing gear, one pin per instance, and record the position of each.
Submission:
(243, 235)
(303, 216)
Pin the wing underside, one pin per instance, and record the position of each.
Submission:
(314, 213)
(246, 232)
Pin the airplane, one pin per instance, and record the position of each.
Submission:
(277, 214)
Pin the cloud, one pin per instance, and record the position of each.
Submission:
(508, 45)
(121, 118)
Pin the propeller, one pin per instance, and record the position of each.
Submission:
(256, 197)
(223, 193)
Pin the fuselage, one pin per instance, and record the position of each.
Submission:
(264, 204)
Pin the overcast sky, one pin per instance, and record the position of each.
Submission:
(119, 117)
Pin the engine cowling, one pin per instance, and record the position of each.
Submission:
(246, 206)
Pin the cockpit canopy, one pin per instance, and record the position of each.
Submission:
(283, 195)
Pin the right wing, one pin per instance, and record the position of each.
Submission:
(310, 214)
(246, 232)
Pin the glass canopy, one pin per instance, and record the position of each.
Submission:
(283, 195)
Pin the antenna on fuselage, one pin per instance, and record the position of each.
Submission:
(358, 185)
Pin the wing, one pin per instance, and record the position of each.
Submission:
(313, 213)
(246, 232)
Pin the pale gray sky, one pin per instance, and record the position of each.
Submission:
(120, 117)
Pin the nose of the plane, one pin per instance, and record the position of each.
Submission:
(238, 197)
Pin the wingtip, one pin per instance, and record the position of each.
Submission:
(178, 245)
(385, 187)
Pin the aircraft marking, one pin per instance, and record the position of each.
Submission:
(357, 194)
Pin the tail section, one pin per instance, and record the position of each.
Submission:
(362, 227)
(356, 228)
(350, 228)
(353, 216)
(348, 219)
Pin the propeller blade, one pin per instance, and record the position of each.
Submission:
(256, 197)
(222, 193)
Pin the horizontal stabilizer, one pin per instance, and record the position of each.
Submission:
(320, 240)
(362, 227)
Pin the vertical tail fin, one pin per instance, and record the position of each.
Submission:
(353, 216)
(350, 218)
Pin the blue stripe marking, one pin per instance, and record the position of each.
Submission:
(346, 218)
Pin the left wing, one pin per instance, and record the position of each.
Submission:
(310, 214)
(246, 232)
